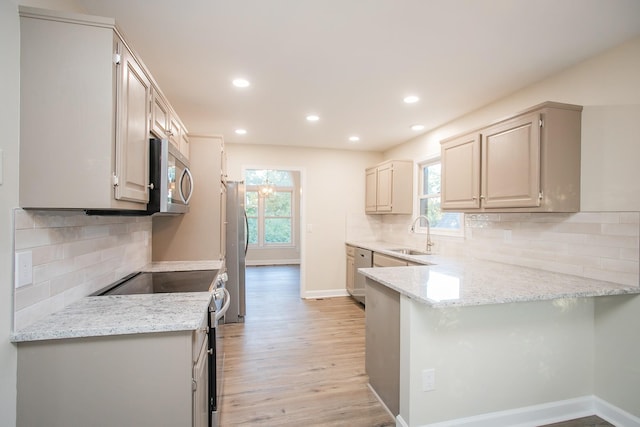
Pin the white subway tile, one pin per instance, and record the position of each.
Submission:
(32, 294)
(627, 229)
(22, 219)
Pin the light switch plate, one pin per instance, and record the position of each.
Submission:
(24, 268)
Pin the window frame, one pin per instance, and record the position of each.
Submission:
(261, 243)
(420, 165)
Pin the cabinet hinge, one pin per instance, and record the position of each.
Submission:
(114, 180)
(540, 123)
(117, 58)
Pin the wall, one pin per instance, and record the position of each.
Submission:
(603, 246)
(180, 237)
(608, 86)
(75, 255)
(332, 189)
(494, 358)
(9, 144)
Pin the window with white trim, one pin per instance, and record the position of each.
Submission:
(270, 218)
(446, 223)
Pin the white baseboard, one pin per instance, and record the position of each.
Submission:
(329, 293)
(614, 415)
(261, 262)
(375, 393)
(400, 422)
(547, 413)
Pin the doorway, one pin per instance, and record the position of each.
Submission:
(273, 202)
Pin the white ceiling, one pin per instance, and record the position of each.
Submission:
(352, 61)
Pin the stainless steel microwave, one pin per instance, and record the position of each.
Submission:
(170, 180)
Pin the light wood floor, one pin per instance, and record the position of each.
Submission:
(296, 362)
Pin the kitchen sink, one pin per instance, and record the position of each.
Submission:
(407, 251)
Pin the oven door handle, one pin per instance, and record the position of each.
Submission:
(225, 306)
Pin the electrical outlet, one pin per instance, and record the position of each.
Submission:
(24, 268)
(428, 379)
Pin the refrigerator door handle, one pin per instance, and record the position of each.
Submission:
(246, 234)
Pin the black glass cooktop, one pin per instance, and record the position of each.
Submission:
(163, 282)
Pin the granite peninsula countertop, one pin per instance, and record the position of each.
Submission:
(94, 316)
(456, 281)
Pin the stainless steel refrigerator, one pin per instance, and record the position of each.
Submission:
(236, 249)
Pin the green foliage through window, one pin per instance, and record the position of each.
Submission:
(270, 218)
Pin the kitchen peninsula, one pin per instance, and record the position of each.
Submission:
(480, 342)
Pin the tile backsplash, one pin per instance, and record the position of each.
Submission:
(598, 245)
(73, 256)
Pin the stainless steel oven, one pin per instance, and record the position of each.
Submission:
(190, 281)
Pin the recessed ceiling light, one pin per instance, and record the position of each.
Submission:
(313, 118)
(354, 138)
(239, 82)
(241, 131)
(411, 99)
(417, 127)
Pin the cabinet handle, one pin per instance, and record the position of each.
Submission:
(151, 186)
(194, 385)
(210, 351)
(481, 197)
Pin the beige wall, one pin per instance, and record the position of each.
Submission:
(9, 144)
(608, 86)
(195, 235)
(332, 189)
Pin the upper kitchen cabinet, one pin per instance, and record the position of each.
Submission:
(389, 188)
(165, 123)
(526, 163)
(88, 107)
(133, 93)
(159, 114)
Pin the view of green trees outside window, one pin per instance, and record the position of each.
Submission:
(270, 218)
(429, 196)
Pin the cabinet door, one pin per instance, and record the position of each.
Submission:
(201, 389)
(461, 172)
(159, 115)
(380, 260)
(184, 142)
(384, 190)
(174, 131)
(351, 274)
(511, 163)
(132, 138)
(371, 189)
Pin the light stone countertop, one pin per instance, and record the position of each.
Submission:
(451, 281)
(120, 315)
(127, 314)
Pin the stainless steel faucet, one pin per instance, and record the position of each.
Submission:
(413, 230)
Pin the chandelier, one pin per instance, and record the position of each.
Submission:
(266, 189)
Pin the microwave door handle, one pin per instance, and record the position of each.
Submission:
(185, 200)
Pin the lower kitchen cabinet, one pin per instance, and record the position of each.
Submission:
(351, 269)
(382, 346)
(155, 379)
(380, 260)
